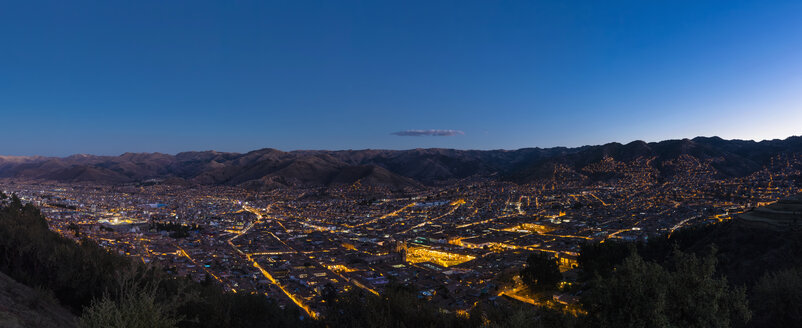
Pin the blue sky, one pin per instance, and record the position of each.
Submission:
(109, 77)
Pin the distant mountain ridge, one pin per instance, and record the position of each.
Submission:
(408, 169)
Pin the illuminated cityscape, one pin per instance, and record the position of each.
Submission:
(451, 242)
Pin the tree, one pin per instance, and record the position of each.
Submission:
(398, 307)
(697, 299)
(74, 228)
(777, 299)
(138, 310)
(15, 201)
(542, 273)
(645, 294)
(601, 258)
(329, 293)
(634, 296)
(514, 315)
(134, 306)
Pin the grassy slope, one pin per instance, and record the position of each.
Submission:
(23, 307)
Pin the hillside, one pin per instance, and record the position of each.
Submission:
(762, 257)
(24, 307)
(412, 169)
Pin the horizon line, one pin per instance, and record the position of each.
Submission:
(390, 149)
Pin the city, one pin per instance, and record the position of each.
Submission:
(451, 243)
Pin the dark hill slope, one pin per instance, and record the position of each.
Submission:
(745, 252)
(24, 307)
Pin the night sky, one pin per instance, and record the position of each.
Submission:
(109, 77)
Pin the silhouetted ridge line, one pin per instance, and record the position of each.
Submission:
(398, 170)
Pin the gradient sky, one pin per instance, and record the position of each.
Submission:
(109, 77)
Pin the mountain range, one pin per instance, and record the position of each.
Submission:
(408, 169)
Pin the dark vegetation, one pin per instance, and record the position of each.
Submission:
(680, 293)
(728, 261)
(176, 230)
(400, 307)
(541, 273)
